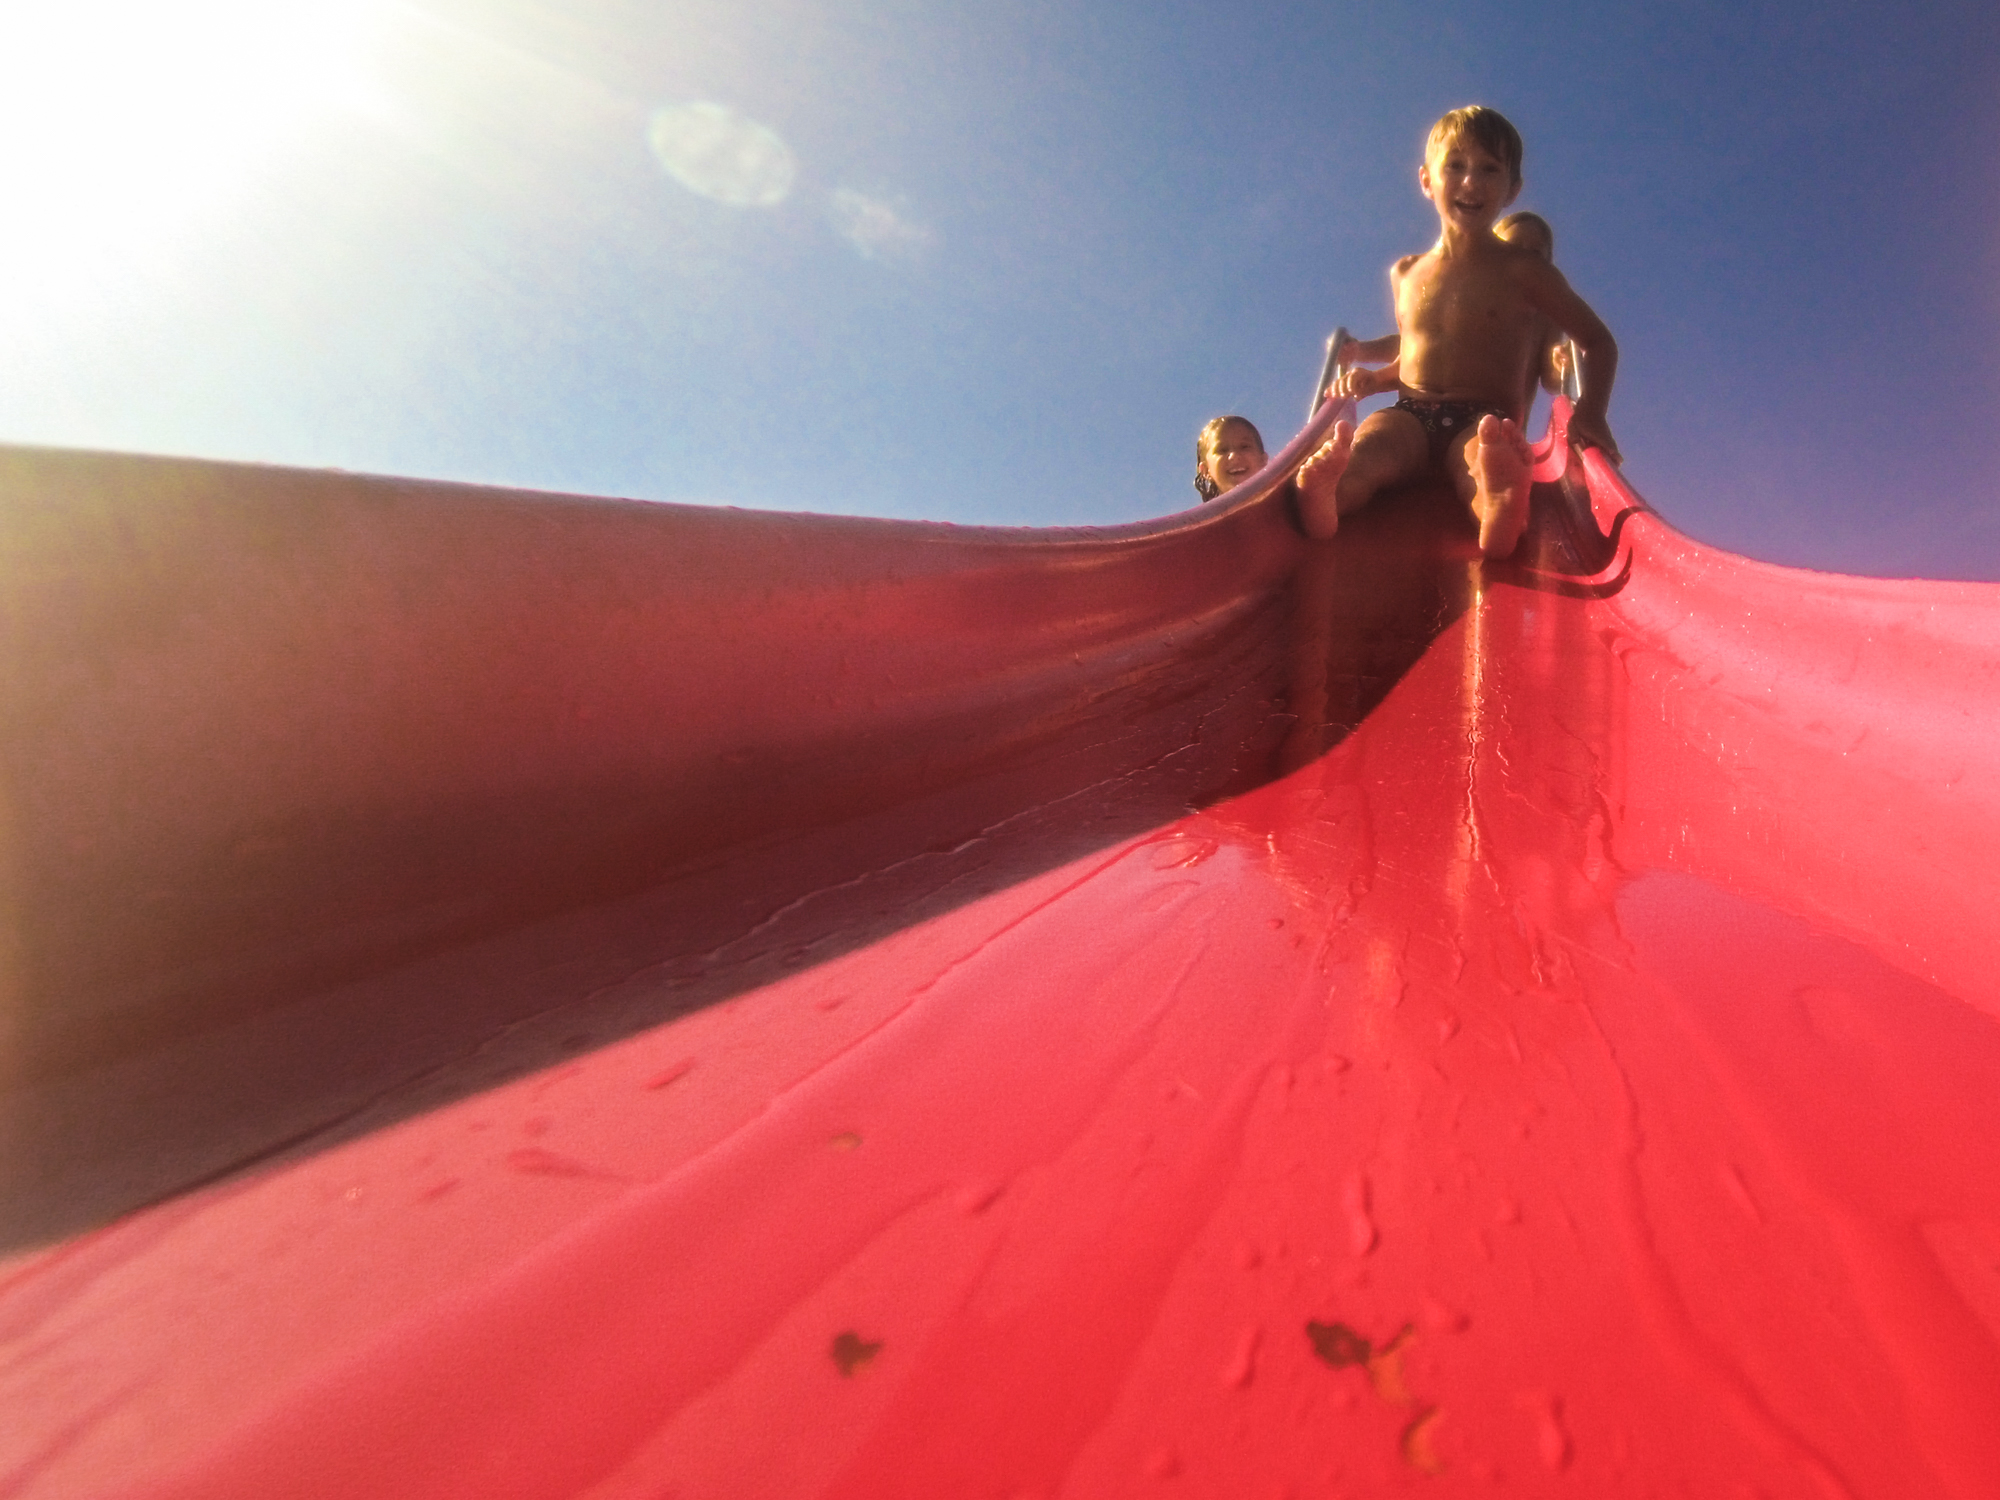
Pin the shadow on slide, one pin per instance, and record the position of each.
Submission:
(509, 994)
(324, 787)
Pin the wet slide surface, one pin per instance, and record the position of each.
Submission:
(515, 996)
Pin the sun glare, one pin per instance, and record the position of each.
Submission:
(126, 124)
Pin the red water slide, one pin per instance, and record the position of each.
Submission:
(519, 996)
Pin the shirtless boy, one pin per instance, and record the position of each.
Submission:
(1470, 315)
(1357, 381)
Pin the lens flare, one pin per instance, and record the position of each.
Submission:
(712, 150)
(878, 230)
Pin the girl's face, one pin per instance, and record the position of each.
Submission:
(1233, 457)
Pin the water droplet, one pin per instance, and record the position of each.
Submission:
(1552, 1440)
(1361, 1232)
(977, 1197)
(1162, 1463)
(564, 1073)
(537, 1162)
(1739, 1192)
(1242, 1364)
(672, 1074)
(1553, 1443)
(1179, 852)
(1439, 1318)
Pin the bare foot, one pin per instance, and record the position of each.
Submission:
(1319, 476)
(1500, 460)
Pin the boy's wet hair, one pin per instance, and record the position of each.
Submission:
(1204, 446)
(1527, 220)
(1484, 127)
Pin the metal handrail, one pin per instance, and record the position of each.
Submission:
(1572, 371)
(1329, 369)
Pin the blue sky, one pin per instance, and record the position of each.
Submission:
(1003, 260)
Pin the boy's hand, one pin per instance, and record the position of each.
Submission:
(1587, 430)
(1356, 383)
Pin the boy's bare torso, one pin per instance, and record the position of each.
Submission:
(1469, 330)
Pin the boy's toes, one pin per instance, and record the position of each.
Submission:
(1500, 470)
(1503, 437)
(1331, 455)
(1319, 478)
(1503, 453)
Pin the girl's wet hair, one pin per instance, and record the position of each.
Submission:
(1526, 220)
(1204, 448)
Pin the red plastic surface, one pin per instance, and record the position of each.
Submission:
(511, 996)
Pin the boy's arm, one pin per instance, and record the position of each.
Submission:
(1356, 382)
(1380, 351)
(1597, 352)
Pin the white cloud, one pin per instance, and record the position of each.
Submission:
(712, 150)
(877, 229)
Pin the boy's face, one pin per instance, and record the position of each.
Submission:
(1468, 185)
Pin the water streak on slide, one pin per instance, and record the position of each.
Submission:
(513, 996)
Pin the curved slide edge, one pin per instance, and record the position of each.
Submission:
(270, 736)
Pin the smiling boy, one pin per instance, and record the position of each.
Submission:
(1470, 313)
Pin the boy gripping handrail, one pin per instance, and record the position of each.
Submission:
(1470, 317)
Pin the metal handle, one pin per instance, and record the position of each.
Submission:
(1329, 368)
